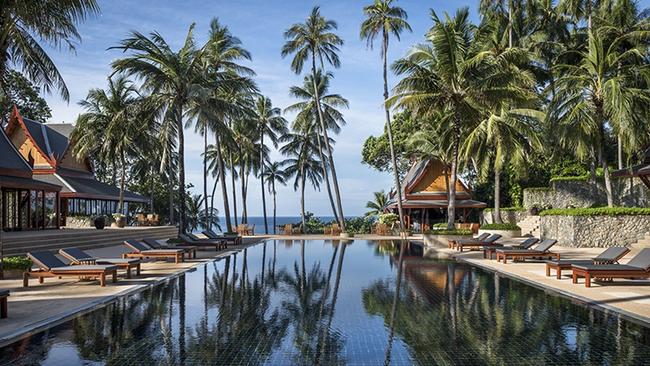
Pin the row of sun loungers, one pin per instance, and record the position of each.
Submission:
(605, 266)
(84, 265)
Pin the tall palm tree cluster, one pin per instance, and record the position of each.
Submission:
(155, 92)
(567, 78)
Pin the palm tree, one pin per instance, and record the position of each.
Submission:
(228, 82)
(450, 75)
(196, 216)
(173, 78)
(301, 149)
(379, 205)
(386, 19)
(271, 124)
(600, 91)
(315, 39)
(273, 173)
(307, 113)
(116, 112)
(503, 139)
(24, 22)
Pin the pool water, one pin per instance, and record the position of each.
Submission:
(330, 302)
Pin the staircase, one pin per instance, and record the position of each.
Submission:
(642, 243)
(530, 226)
(19, 243)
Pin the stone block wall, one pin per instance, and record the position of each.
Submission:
(595, 231)
(578, 194)
(511, 217)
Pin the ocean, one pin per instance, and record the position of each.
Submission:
(258, 221)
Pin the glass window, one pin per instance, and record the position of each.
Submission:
(51, 216)
(82, 207)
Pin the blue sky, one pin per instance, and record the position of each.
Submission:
(260, 25)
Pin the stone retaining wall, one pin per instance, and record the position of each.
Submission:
(577, 194)
(511, 217)
(595, 231)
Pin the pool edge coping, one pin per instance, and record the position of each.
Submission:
(53, 321)
(599, 305)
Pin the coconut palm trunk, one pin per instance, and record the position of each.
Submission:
(170, 188)
(326, 178)
(151, 190)
(224, 189)
(205, 176)
(393, 159)
(181, 168)
(214, 191)
(122, 181)
(234, 189)
(327, 146)
(266, 224)
(451, 208)
(497, 196)
(275, 225)
(302, 199)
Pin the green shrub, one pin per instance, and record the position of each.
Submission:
(358, 225)
(440, 225)
(388, 219)
(596, 211)
(582, 178)
(506, 209)
(539, 189)
(504, 226)
(449, 232)
(19, 263)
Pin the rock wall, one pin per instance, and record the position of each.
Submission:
(78, 222)
(595, 231)
(576, 194)
(511, 217)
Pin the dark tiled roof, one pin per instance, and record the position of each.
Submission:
(53, 179)
(27, 183)
(95, 188)
(58, 135)
(38, 133)
(11, 159)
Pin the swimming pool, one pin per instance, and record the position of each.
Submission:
(330, 302)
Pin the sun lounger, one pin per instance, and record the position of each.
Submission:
(609, 256)
(191, 239)
(51, 266)
(540, 251)
(234, 239)
(490, 241)
(77, 256)
(155, 244)
(526, 244)
(140, 250)
(452, 243)
(637, 268)
(4, 294)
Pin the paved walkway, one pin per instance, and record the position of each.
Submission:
(41, 306)
(629, 297)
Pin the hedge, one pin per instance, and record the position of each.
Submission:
(597, 211)
(20, 263)
(506, 209)
(504, 226)
(539, 189)
(580, 178)
(449, 232)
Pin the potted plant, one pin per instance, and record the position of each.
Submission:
(13, 267)
(99, 222)
(120, 220)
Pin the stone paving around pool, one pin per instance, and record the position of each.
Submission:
(629, 297)
(41, 306)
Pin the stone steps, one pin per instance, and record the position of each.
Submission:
(642, 243)
(17, 244)
(530, 226)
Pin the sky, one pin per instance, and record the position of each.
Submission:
(260, 25)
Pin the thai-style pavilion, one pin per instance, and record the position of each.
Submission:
(26, 203)
(425, 197)
(641, 171)
(45, 150)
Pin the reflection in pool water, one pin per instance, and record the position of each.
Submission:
(325, 302)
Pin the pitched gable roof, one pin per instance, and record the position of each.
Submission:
(12, 163)
(34, 132)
